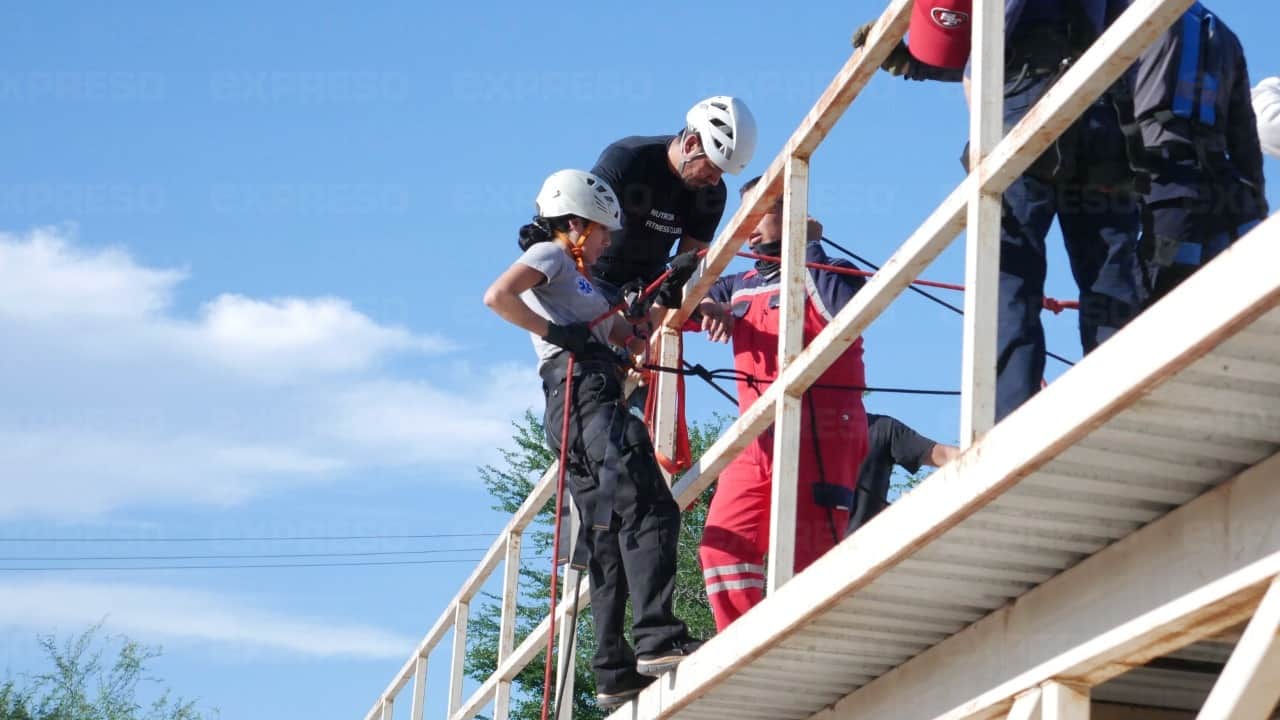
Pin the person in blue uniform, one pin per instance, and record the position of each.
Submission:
(1084, 180)
(1192, 103)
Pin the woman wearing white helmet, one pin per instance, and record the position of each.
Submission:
(548, 290)
(611, 472)
(671, 189)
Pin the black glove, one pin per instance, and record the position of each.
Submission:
(671, 292)
(899, 60)
(634, 307)
(573, 337)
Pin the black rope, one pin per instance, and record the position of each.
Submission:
(912, 288)
(705, 374)
(1059, 358)
(925, 294)
(733, 374)
(817, 454)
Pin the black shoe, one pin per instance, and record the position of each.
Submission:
(609, 699)
(655, 664)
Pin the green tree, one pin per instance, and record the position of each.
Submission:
(903, 482)
(84, 685)
(510, 482)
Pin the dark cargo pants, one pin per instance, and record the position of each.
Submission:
(1100, 231)
(633, 551)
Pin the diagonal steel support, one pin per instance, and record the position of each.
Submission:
(1250, 683)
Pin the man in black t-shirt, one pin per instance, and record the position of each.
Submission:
(891, 443)
(671, 189)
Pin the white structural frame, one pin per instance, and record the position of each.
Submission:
(997, 159)
(669, 345)
(566, 647)
(982, 245)
(1250, 683)
(1205, 597)
(788, 412)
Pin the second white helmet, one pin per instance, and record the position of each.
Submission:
(575, 192)
(727, 130)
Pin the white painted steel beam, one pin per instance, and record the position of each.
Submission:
(666, 417)
(566, 653)
(1250, 683)
(787, 408)
(507, 621)
(1026, 706)
(1064, 701)
(1188, 576)
(459, 656)
(419, 688)
(1136, 28)
(520, 520)
(982, 245)
(534, 643)
(1167, 338)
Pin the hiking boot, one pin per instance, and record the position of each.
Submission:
(655, 664)
(610, 699)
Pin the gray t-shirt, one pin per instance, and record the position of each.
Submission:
(566, 297)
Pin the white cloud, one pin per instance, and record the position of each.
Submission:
(46, 281)
(116, 400)
(162, 614)
(91, 471)
(43, 276)
(292, 335)
(403, 420)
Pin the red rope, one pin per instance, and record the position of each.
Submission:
(547, 674)
(1051, 304)
(649, 289)
(1057, 306)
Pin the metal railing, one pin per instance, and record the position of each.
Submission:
(996, 160)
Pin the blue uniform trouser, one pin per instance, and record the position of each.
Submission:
(1189, 218)
(1193, 238)
(1099, 228)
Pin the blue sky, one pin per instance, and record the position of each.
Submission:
(242, 249)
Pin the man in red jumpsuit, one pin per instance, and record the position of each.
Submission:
(833, 434)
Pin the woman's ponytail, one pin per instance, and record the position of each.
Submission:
(534, 233)
(542, 230)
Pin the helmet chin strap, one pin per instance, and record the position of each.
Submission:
(575, 248)
(686, 158)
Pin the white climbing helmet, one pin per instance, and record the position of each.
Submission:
(575, 192)
(727, 130)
